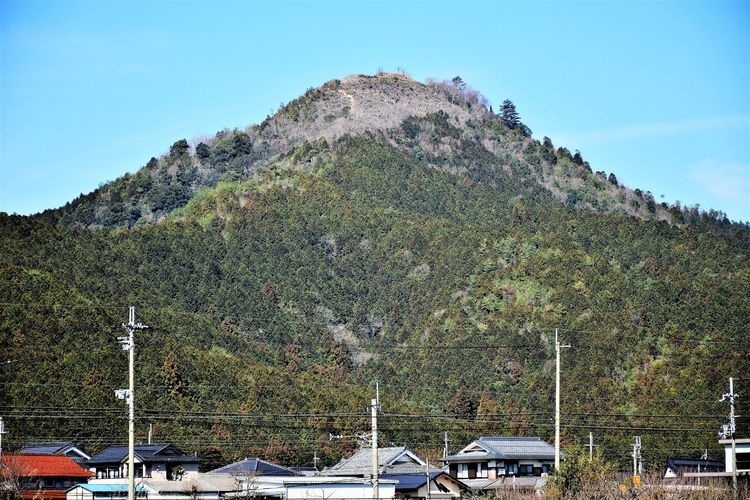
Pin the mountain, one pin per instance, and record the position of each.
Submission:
(374, 229)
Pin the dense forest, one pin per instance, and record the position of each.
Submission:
(436, 249)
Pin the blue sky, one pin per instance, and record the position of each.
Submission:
(656, 92)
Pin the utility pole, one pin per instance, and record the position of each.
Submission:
(427, 469)
(728, 430)
(591, 446)
(557, 400)
(445, 449)
(128, 344)
(2, 431)
(374, 409)
(637, 459)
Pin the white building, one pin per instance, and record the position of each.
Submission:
(743, 454)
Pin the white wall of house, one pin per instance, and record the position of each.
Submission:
(494, 469)
(155, 471)
(743, 454)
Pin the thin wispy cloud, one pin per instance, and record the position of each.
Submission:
(642, 130)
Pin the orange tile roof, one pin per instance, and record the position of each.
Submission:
(43, 494)
(42, 466)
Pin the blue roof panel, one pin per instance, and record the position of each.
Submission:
(410, 481)
(108, 488)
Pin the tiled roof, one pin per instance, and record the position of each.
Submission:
(507, 448)
(35, 465)
(520, 447)
(410, 481)
(361, 463)
(46, 448)
(34, 494)
(254, 467)
(68, 448)
(146, 452)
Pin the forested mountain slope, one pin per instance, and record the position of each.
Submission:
(379, 229)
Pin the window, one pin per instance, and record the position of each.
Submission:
(511, 469)
(526, 470)
(463, 471)
(481, 470)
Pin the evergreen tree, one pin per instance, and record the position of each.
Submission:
(509, 115)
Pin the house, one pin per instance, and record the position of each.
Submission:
(676, 467)
(339, 488)
(196, 486)
(191, 487)
(396, 460)
(404, 466)
(742, 451)
(38, 476)
(438, 485)
(159, 461)
(725, 472)
(253, 467)
(103, 492)
(67, 448)
(286, 487)
(498, 462)
(256, 478)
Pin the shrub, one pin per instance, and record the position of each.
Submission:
(581, 476)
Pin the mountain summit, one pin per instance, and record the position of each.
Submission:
(446, 124)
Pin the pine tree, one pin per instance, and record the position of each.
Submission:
(509, 115)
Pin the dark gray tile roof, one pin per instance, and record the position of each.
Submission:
(360, 464)
(68, 448)
(151, 453)
(254, 467)
(507, 448)
(410, 481)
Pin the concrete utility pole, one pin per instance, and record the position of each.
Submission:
(637, 459)
(2, 431)
(557, 399)
(591, 446)
(728, 430)
(427, 469)
(374, 409)
(128, 344)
